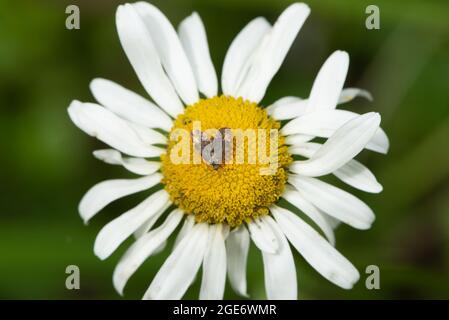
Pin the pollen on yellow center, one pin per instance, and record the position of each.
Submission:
(234, 192)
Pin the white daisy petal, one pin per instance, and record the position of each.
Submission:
(225, 230)
(297, 139)
(147, 225)
(349, 94)
(279, 268)
(325, 123)
(307, 149)
(329, 82)
(272, 51)
(292, 107)
(143, 248)
(283, 101)
(129, 105)
(332, 221)
(143, 56)
(296, 198)
(318, 123)
(287, 108)
(316, 250)
(214, 266)
(181, 267)
(244, 45)
(263, 236)
(348, 141)
(107, 127)
(160, 248)
(119, 229)
(237, 247)
(136, 165)
(194, 40)
(170, 50)
(352, 173)
(334, 201)
(149, 136)
(358, 176)
(189, 222)
(380, 142)
(105, 192)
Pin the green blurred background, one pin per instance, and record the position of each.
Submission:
(46, 162)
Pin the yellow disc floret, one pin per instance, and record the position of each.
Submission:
(232, 192)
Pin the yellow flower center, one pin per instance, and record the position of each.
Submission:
(231, 191)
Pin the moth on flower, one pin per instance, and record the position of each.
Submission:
(216, 150)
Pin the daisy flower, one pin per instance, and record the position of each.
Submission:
(221, 207)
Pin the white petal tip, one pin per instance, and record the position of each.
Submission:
(364, 226)
(118, 286)
(119, 13)
(300, 6)
(74, 104)
(100, 254)
(119, 291)
(101, 257)
(387, 147)
(347, 280)
(376, 189)
(99, 154)
(83, 215)
(95, 83)
(341, 56)
(119, 8)
(375, 116)
(354, 280)
(367, 222)
(74, 110)
(347, 286)
(101, 248)
(342, 53)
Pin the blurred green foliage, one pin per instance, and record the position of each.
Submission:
(46, 162)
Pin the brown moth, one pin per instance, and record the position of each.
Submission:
(215, 150)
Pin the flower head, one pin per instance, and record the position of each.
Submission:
(223, 161)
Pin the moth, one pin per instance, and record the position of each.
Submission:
(215, 150)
